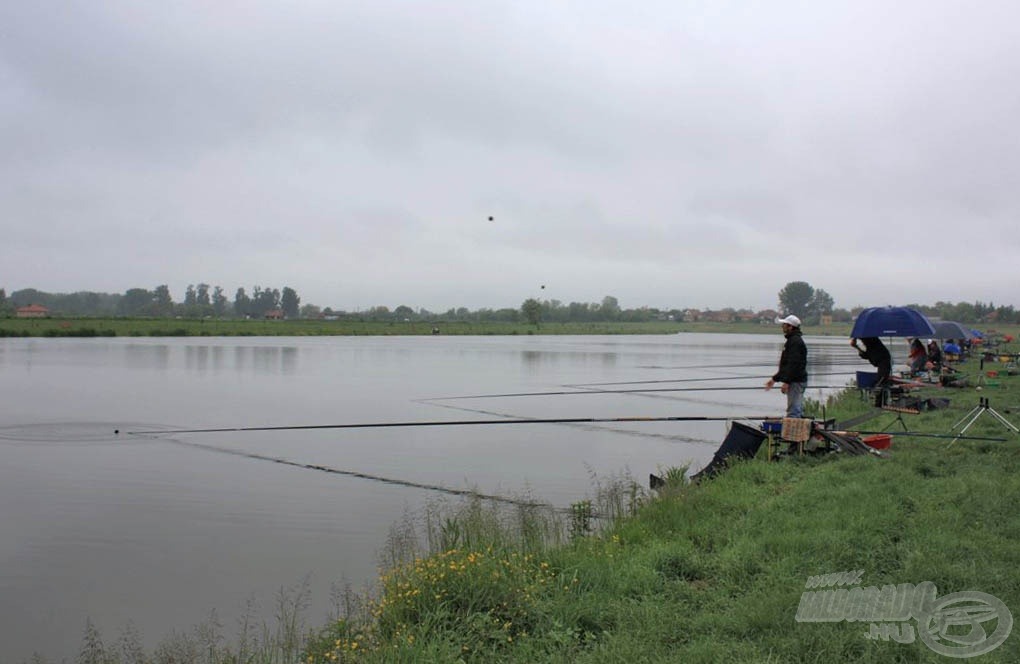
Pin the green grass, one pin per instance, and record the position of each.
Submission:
(163, 327)
(715, 572)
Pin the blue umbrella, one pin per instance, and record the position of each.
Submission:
(891, 322)
(948, 329)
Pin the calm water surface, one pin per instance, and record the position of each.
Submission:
(160, 530)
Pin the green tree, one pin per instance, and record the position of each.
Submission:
(136, 302)
(242, 303)
(92, 649)
(202, 297)
(965, 312)
(610, 309)
(264, 299)
(579, 312)
(795, 298)
(162, 303)
(290, 302)
(219, 302)
(821, 304)
(532, 311)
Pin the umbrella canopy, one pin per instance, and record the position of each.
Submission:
(948, 329)
(891, 322)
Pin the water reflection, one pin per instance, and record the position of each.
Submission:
(196, 358)
(146, 356)
(535, 359)
(282, 360)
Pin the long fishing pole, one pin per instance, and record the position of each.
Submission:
(448, 423)
(694, 380)
(635, 391)
(839, 361)
(911, 434)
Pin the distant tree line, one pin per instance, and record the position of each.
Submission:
(202, 300)
(532, 310)
(810, 304)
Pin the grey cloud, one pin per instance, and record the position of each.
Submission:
(616, 147)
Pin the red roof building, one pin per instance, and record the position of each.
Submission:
(32, 311)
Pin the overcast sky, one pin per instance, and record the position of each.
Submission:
(671, 154)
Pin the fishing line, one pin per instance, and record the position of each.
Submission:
(679, 399)
(707, 366)
(585, 427)
(636, 391)
(77, 434)
(376, 478)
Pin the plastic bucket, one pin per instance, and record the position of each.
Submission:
(880, 441)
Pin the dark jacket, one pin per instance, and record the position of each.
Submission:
(793, 361)
(878, 355)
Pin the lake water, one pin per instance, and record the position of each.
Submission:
(159, 530)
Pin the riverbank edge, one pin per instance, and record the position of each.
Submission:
(719, 571)
(163, 327)
(143, 327)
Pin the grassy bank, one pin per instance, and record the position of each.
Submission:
(142, 327)
(704, 573)
(715, 572)
(165, 327)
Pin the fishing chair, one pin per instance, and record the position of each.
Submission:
(794, 431)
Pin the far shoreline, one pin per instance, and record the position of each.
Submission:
(228, 327)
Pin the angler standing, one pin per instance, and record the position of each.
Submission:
(792, 367)
(878, 356)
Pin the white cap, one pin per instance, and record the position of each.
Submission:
(789, 320)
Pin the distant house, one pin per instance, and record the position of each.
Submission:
(32, 311)
(721, 316)
(274, 314)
